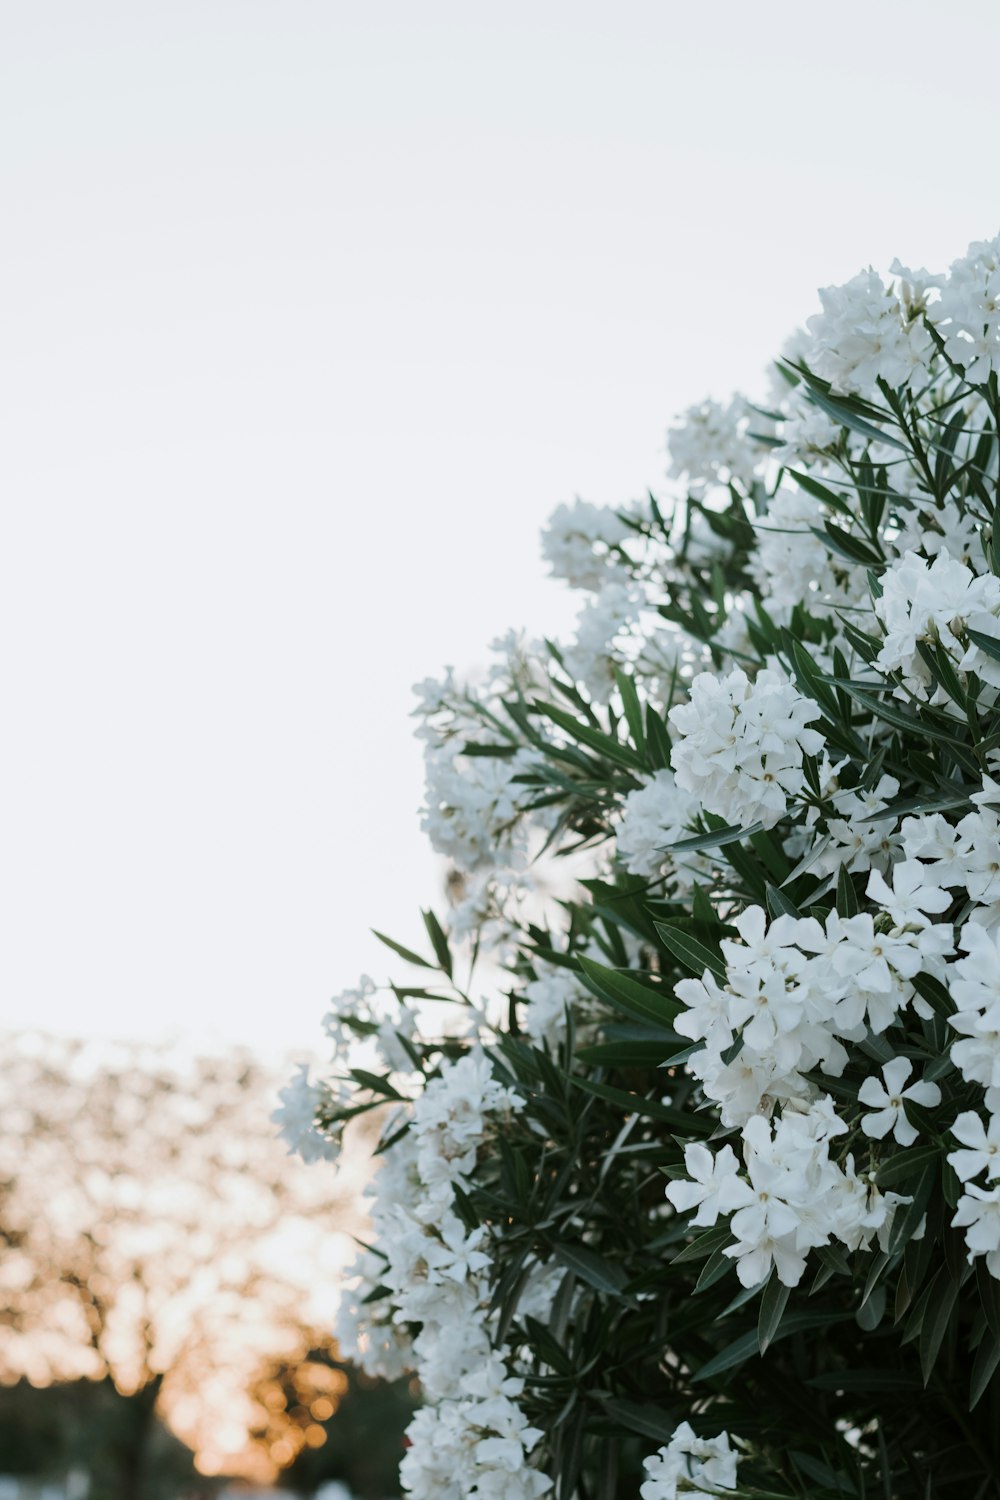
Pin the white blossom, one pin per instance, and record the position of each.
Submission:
(935, 603)
(578, 542)
(885, 1099)
(981, 1144)
(658, 814)
(296, 1119)
(709, 445)
(741, 745)
(689, 1465)
(864, 334)
(968, 312)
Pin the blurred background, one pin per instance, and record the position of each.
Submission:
(311, 313)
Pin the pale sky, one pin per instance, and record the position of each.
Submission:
(311, 312)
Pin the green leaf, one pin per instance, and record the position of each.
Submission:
(935, 1326)
(657, 741)
(779, 905)
(703, 1244)
(905, 1164)
(592, 1268)
(772, 1306)
(692, 954)
(822, 1474)
(745, 1347)
(632, 708)
(988, 644)
(715, 840)
(637, 1054)
(820, 492)
(843, 544)
(913, 725)
(438, 941)
(638, 1104)
(989, 1296)
(908, 1218)
(407, 953)
(635, 999)
(649, 1421)
(582, 733)
(984, 1367)
(375, 1083)
(847, 899)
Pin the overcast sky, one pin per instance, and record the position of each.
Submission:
(311, 313)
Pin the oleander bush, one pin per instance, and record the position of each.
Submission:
(690, 1158)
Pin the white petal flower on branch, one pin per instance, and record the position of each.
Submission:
(886, 1100)
(741, 745)
(863, 335)
(709, 445)
(689, 1465)
(657, 815)
(968, 312)
(981, 1143)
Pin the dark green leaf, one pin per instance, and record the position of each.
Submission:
(772, 1306)
(692, 954)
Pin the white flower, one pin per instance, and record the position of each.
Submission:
(864, 334)
(472, 806)
(935, 603)
(978, 1213)
(714, 1187)
(915, 892)
(982, 1142)
(790, 563)
(806, 431)
(548, 998)
(968, 313)
(349, 1006)
(578, 540)
(653, 817)
(975, 989)
(690, 1465)
(709, 445)
(296, 1119)
(887, 1100)
(741, 745)
(594, 652)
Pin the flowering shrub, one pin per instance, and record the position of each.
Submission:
(690, 1173)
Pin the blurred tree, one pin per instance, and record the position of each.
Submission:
(156, 1235)
(337, 1422)
(85, 1425)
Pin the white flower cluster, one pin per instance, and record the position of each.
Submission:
(936, 603)
(595, 651)
(792, 1197)
(796, 991)
(295, 1118)
(968, 312)
(742, 743)
(710, 445)
(658, 814)
(548, 997)
(868, 331)
(865, 334)
(471, 1438)
(578, 543)
(690, 1465)
(791, 564)
(978, 1209)
(754, 568)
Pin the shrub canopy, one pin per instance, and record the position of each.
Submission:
(691, 1160)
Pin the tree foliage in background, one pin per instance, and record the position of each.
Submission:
(691, 1167)
(155, 1239)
